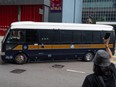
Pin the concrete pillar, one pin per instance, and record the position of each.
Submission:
(72, 11)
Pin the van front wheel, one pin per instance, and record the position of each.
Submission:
(20, 59)
(88, 56)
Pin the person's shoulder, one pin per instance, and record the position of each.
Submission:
(90, 75)
(113, 68)
(91, 78)
(112, 65)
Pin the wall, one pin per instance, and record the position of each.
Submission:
(22, 10)
(13, 13)
(31, 13)
(8, 14)
(55, 17)
(55, 14)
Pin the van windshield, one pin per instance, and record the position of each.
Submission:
(16, 36)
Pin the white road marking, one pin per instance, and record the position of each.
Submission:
(69, 70)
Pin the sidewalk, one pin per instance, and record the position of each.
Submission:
(114, 60)
(1, 37)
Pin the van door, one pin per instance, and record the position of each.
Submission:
(45, 43)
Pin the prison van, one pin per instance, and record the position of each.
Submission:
(39, 41)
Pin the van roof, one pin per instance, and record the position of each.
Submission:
(106, 23)
(63, 26)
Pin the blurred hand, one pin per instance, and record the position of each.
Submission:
(106, 41)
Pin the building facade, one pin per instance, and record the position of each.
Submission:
(22, 10)
(68, 11)
(99, 10)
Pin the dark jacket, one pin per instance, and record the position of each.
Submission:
(94, 80)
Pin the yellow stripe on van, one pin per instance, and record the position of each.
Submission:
(45, 47)
(60, 46)
(63, 46)
(18, 47)
(67, 46)
(92, 46)
(80, 46)
(33, 47)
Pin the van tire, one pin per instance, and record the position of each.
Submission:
(20, 58)
(88, 56)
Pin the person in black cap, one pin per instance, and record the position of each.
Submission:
(104, 71)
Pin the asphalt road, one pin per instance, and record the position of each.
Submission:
(45, 74)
